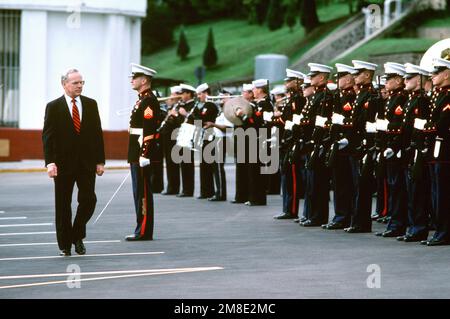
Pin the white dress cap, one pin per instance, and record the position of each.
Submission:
(316, 68)
(185, 87)
(140, 69)
(363, 65)
(247, 87)
(278, 90)
(175, 89)
(344, 68)
(291, 74)
(260, 83)
(412, 69)
(393, 68)
(202, 88)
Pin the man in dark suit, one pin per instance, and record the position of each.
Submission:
(74, 153)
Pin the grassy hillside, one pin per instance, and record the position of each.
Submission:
(237, 44)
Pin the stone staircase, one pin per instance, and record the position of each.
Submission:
(358, 30)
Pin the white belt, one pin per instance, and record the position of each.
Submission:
(136, 131)
(320, 121)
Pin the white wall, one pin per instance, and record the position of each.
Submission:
(102, 49)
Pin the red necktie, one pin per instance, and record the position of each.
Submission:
(76, 117)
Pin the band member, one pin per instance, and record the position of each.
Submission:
(74, 153)
(318, 181)
(241, 183)
(143, 150)
(437, 130)
(364, 130)
(187, 112)
(221, 126)
(340, 157)
(257, 189)
(393, 151)
(166, 130)
(207, 112)
(292, 162)
(417, 177)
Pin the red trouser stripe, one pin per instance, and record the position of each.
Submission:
(294, 191)
(384, 213)
(145, 202)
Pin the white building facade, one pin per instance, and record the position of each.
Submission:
(98, 37)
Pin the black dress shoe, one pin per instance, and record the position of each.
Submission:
(79, 247)
(136, 238)
(357, 230)
(65, 253)
(401, 238)
(392, 233)
(168, 193)
(284, 216)
(237, 202)
(379, 234)
(424, 242)
(216, 199)
(182, 195)
(436, 242)
(333, 226)
(414, 239)
(297, 220)
(251, 204)
(202, 197)
(303, 219)
(375, 217)
(310, 223)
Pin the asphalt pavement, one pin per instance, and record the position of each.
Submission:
(202, 250)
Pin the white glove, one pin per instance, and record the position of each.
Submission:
(268, 116)
(297, 119)
(388, 153)
(289, 125)
(419, 124)
(320, 121)
(140, 140)
(143, 162)
(343, 143)
(382, 125)
(337, 119)
(371, 127)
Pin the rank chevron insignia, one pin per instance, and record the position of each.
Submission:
(148, 113)
(398, 110)
(447, 108)
(347, 107)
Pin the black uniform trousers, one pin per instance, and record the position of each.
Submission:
(188, 173)
(317, 193)
(67, 233)
(440, 199)
(220, 180)
(157, 180)
(172, 169)
(241, 183)
(397, 195)
(273, 181)
(382, 194)
(344, 178)
(206, 176)
(364, 185)
(143, 200)
(293, 181)
(419, 197)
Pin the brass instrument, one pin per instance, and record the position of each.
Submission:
(164, 99)
(231, 106)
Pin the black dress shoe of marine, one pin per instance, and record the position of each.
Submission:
(333, 226)
(284, 216)
(379, 234)
(375, 217)
(65, 253)
(168, 193)
(216, 199)
(310, 223)
(202, 197)
(381, 220)
(424, 242)
(136, 238)
(436, 242)
(297, 220)
(357, 230)
(401, 238)
(237, 202)
(392, 233)
(182, 195)
(79, 247)
(251, 204)
(414, 238)
(303, 219)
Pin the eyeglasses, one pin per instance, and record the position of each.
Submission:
(78, 83)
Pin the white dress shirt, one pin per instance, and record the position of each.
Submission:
(79, 105)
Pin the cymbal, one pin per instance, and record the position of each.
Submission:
(231, 106)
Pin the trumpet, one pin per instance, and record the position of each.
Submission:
(164, 99)
(221, 97)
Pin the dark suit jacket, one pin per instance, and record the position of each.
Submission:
(62, 146)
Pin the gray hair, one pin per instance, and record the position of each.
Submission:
(65, 76)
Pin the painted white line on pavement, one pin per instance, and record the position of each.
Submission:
(84, 256)
(26, 225)
(26, 234)
(47, 244)
(12, 218)
(141, 273)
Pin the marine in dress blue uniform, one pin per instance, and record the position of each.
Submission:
(143, 150)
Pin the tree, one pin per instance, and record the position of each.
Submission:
(257, 10)
(157, 28)
(210, 54)
(309, 18)
(183, 46)
(275, 16)
(292, 14)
